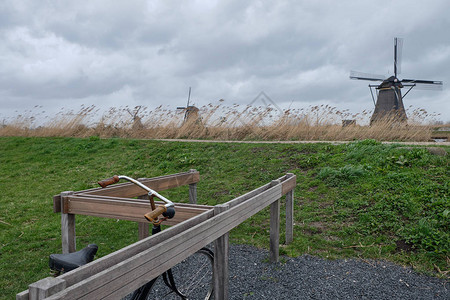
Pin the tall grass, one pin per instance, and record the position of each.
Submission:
(218, 122)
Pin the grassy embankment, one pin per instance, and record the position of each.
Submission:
(361, 199)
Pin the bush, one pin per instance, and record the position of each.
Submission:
(342, 176)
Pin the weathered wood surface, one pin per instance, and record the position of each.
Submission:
(68, 235)
(193, 190)
(143, 230)
(127, 275)
(46, 287)
(130, 190)
(24, 295)
(193, 193)
(221, 249)
(275, 231)
(126, 209)
(123, 254)
(121, 272)
(289, 217)
(289, 183)
(143, 227)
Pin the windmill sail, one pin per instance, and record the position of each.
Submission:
(366, 76)
(398, 49)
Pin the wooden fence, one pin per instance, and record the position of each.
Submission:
(195, 226)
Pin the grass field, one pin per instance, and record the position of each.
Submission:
(361, 199)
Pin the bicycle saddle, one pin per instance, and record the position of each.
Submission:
(68, 262)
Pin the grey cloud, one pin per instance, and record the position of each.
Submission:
(154, 50)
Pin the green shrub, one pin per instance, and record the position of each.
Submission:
(341, 176)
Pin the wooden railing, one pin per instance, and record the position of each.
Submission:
(119, 273)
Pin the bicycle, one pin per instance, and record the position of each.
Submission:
(190, 279)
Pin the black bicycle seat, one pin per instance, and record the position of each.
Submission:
(68, 262)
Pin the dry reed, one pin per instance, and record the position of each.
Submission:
(321, 123)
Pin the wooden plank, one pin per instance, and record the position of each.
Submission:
(221, 253)
(193, 190)
(286, 181)
(127, 209)
(68, 235)
(289, 184)
(274, 231)
(193, 193)
(130, 190)
(156, 183)
(135, 271)
(143, 227)
(246, 196)
(57, 203)
(56, 198)
(25, 295)
(138, 200)
(109, 260)
(143, 230)
(45, 287)
(289, 214)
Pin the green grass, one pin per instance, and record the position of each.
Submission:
(363, 199)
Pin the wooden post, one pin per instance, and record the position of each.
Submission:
(143, 227)
(221, 247)
(193, 191)
(143, 230)
(274, 228)
(68, 236)
(46, 287)
(289, 214)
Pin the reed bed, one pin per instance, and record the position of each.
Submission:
(218, 122)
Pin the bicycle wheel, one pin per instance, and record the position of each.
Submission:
(190, 279)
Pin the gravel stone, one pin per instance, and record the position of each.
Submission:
(309, 277)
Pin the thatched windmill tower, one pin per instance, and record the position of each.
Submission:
(389, 102)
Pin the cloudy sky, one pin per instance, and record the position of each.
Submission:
(62, 54)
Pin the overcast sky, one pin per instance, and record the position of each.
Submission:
(115, 53)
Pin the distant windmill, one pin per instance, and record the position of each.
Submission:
(137, 123)
(190, 111)
(389, 97)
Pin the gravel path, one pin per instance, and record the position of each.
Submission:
(309, 277)
(300, 142)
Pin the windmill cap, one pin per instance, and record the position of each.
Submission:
(389, 82)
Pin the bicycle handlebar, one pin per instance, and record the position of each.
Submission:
(153, 215)
(105, 182)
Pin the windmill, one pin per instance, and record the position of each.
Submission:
(389, 102)
(190, 111)
(137, 123)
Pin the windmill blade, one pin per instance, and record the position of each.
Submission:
(422, 81)
(189, 97)
(423, 84)
(366, 76)
(398, 50)
(420, 86)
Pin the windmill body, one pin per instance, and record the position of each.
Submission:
(191, 113)
(389, 104)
